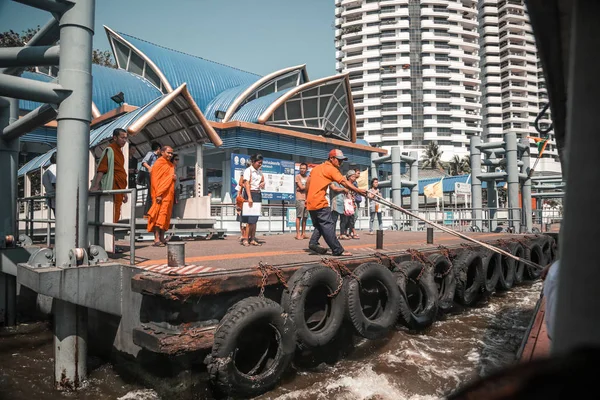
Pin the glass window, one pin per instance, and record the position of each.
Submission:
(136, 64)
(293, 109)
(287, 82)
(267, 90)
(279, 114)
(152, 77)
(122, 52)
(310, 108)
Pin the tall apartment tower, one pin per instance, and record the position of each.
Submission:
(442, 71)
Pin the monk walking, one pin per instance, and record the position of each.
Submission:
(162, 182)
(111, 174)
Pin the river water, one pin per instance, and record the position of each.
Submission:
(463, 346)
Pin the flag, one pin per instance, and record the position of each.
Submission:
(363, 180)
(541, 144)
(434, 190)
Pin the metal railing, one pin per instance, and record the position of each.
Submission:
(131, 225)
(30, 220)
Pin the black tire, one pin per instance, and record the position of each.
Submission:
(468, 267)
(474, 228)
(506, 280)
(517, 249)
(372, 304)
(549, 249)
(533, 253)
(445, 282)
(237, 350)
(492, 268)
(419, 304)
(535, 230)
(316, 316)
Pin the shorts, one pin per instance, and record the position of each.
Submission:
(301, 211)
(257, 198)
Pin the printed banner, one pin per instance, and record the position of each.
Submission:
(278, 174)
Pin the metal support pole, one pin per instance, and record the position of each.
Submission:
(374, 173)
(492, 200)
(74, 117)
(70, 344)
(29, 122)
(28, 89)
(9, 156)
(46, 5)
(414, 191)
(429, 235)
(29, 56)
(578, 276)
(476, 202)
(133, 201)
(513, 180)
(396, 184)
(526, 189)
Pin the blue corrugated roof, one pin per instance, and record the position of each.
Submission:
(205, 79)
(105, 131)
(223, 101)
(41, 135)
(36, 163)
(250, 112)
(109, 81)
(106, 83)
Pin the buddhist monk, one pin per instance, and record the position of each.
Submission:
(162, 182)
(111, 174)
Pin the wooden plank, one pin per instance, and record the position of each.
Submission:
(533, 334)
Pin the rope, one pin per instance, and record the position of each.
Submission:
(383, 201)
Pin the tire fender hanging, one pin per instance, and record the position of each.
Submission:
(246, 326)
(506, 278)
(492, 268)
(517, 249)
(307, 287)
(469, 277)
(445, 281)
(419, 304)
(534, 253)
(373, 301)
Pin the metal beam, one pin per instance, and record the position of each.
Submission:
(40, 116)
(382, 159)
(544, 187)
(547, 178)
(476, 201)
(513, 179)
(491, 176)
(28, 89)
(29, 56)
(47, 5)
(491, 146)
(526, 189)
(549, 194)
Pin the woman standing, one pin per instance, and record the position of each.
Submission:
(254, 182)
(337, 194)
(374, 207)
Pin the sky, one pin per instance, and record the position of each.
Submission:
(259, 36)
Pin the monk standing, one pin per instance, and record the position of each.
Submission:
(162, 182)
(111, 174)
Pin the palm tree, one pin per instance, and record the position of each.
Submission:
(466, 164)
(433, 157)
(455, 166)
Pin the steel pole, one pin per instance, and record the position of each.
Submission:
(414, 191)
(396, 183)
(512, 170)
(74, 117)
(9, 157)
(526, 188)
(492, 199)
(41, 115)
(28, 89)
(29, 56)
(476, 202)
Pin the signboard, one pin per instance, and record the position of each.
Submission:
(291, 218)
(448, 217)
(278, 174)
(462, 188)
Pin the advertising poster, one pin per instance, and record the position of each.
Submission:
(278, 174)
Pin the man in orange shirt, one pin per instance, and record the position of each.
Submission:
(162, 182)
(316, 203)
(111, 174)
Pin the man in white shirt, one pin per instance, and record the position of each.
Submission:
(49, 182)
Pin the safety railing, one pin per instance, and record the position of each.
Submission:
(29, 204)
(545, 218)
(131, 225)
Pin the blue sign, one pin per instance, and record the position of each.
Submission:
(278, 174)
(291, 218)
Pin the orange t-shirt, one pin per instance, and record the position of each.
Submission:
(320, 178)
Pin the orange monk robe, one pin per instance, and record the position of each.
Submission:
(162, 182)
(120, 177)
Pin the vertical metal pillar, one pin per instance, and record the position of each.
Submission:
(9, 159)
(476, 202)
(492, 197)
(396, 183)
(414, 192)
(512, 170)
(374, 173)
(578, 301)
(74, 117)
(526, 190)
(199, 183)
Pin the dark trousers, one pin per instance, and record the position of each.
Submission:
(324, 224)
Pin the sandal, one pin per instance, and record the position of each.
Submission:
(255, 243)
(158, 244)
(344, 254)
(245, 243)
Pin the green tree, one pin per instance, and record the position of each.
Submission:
(455, 166)
(13, 39)
(433, 157)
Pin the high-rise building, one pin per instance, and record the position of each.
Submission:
(441, 71)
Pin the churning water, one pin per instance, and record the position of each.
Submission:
(429, 365)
